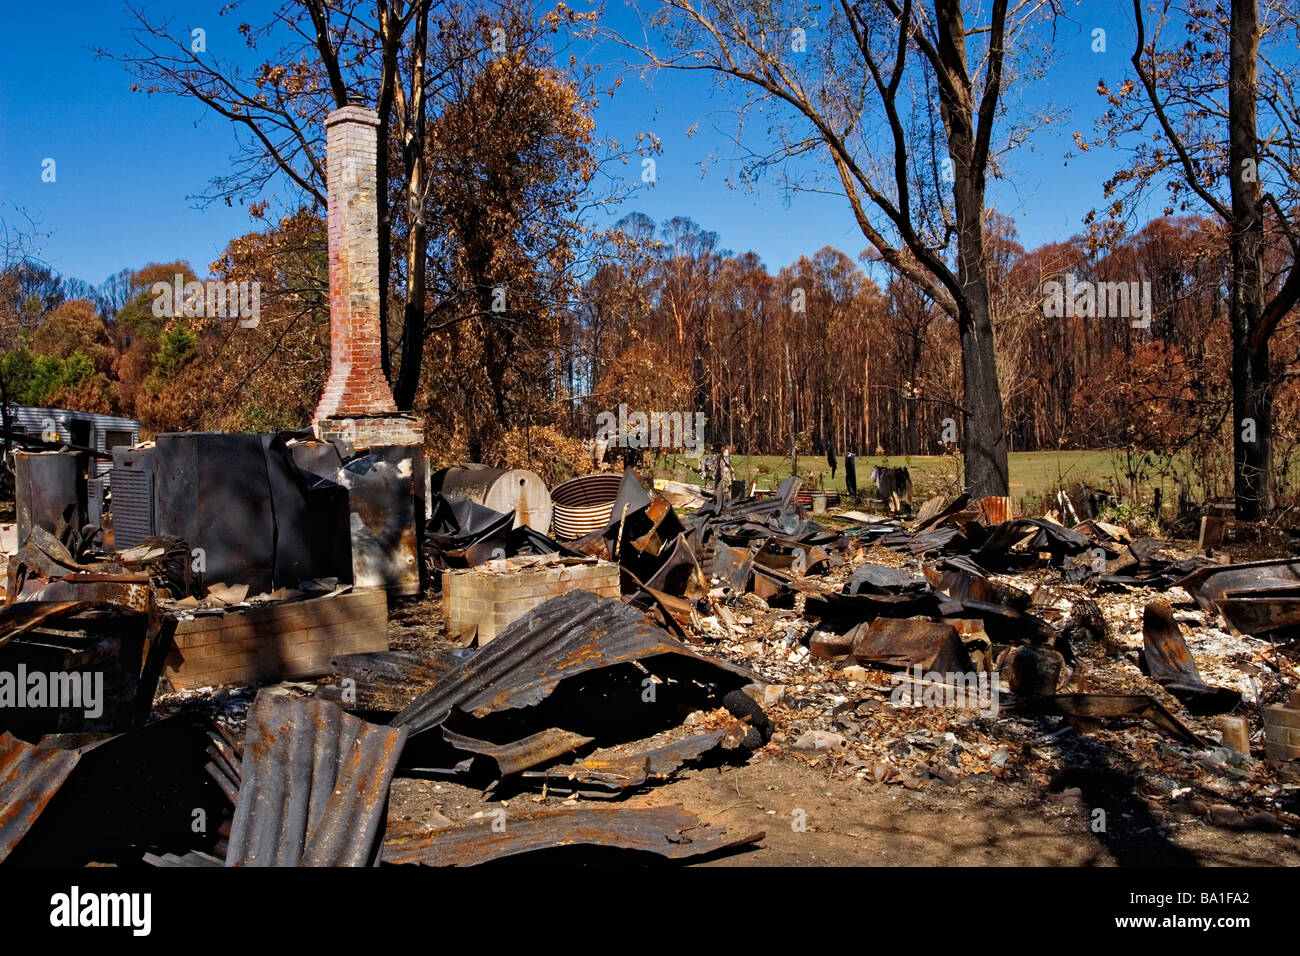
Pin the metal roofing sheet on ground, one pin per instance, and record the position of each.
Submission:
(561, 638)
(314, 785)
(671, 832)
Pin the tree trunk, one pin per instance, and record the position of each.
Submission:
(984, 443)
(1252, 398)
(408, 378)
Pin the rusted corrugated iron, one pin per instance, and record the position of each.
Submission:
(195, 858)
(564, 637)
(585, 504)
(620, 768)
(30, 776)
(671, 832)
(531, 751)
(314, 785)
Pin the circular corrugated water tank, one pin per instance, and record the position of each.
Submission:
(583, 505)
(517, 490)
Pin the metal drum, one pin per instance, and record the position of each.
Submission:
(583, 505)
(517, 490)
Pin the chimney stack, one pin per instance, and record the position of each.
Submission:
(357, 404)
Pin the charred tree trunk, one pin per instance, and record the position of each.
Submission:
(413, 156)
(1252, 383)
(984, 441)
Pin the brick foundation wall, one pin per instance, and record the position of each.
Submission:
(290, 640)
(486, 600)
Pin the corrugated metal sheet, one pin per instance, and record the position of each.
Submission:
(314, 785)
(195, 858)
(671, 832)
(564, 637)
(29, 778)
(584, 504)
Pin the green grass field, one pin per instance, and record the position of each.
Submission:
(1032, 473)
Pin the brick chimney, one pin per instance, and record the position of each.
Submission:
(357, 404)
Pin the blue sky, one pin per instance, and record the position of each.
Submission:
(128, 165)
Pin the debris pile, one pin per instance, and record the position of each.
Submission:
(952, 651)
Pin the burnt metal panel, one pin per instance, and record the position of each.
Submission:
(109, 800)
(1255, 597)
(259, 518)
(382, 496)
(195, 858)
(314, 785)
(213, 491)
(671, 832)
(616, 769)
(310, 516)
(30, 776)
(22, 616)
(561, 638)
(320, 458)
(1169, 662)
(49, 491)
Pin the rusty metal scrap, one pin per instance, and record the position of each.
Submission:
(128, 644)
(1170, 664)
(1262, 609)
(516, 757)
(30, 776)
(1093, 708)
(911, 642)
(1208, 585)
(566, 636)
(195, 858)
(74, 799)
(1255, 597)
(129, 592)
(16, 619)
(615, 769)
(314, 786)
(670, 832)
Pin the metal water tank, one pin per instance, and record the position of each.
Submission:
(517, 490)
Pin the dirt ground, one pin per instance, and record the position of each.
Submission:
(810, 817)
